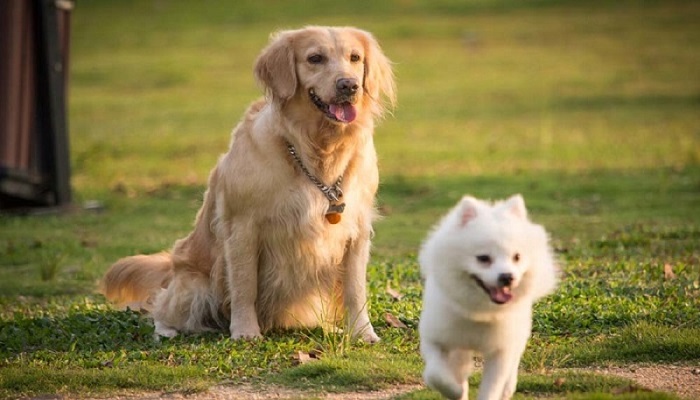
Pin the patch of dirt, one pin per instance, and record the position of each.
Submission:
(683, 381)
(277, 393)
(249, 392)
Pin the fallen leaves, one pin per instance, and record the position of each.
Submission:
(394, 322)
(632, 388)
(390, 318)
(305, 357)
(668, 272)
(395, 294)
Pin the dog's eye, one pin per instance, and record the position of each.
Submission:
(315, 59)
(516, 257)
(484, 258)
(355, 58)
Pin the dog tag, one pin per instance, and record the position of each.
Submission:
(334, 212)
(333, 218)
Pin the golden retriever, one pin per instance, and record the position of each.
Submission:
(283, 236)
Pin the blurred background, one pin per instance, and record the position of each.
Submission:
(485, 87)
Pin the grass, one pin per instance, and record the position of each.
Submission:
(590, 110)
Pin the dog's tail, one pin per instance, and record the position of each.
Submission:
(134, 281)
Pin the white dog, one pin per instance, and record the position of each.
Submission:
(484, 266)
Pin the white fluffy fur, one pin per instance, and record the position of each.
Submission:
(459, 318)
(261, 254)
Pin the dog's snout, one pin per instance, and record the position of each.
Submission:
(505, 280)
(346, 86)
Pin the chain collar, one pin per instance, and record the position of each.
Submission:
(333, 193)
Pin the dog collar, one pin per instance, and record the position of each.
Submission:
(333, 193)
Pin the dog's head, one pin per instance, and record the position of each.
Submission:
(340, 74)
(500, 245)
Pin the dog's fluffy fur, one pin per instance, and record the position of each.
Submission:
(484, 266)
(261, 254)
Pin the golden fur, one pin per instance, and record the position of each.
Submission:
(261, 254)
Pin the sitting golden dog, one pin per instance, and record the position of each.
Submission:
(283, 236)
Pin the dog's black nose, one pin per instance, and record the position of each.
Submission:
(505, 280)
(346, 86)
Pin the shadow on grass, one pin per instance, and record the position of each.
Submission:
(644, 342)
(88, 351)
(49, 381)
(79, 332)
(359, 370)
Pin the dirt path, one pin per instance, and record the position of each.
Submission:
(248, 392)
(684, 381)
(681, 380)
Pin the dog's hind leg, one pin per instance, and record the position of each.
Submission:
(162, 330)
(185, 305)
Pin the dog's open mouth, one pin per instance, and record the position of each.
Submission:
(498, 294)
(343, 111)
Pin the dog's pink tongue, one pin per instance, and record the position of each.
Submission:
(343, 112)
(500, 295)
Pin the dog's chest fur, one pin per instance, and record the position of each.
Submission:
(296, 238)
(301, 256)
(458, 326)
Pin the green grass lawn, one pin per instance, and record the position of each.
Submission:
(591, 110)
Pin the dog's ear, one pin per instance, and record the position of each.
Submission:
(467, 210)
(378, 80)
(516, 206)
(275, 67)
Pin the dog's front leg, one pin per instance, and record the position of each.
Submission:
(512, 381)
(461, 363)
(512, 378)
(241, 253)
(498, 369)
(355, 290)
(442, 376)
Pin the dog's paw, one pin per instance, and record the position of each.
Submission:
(366, 334)
(244, 325)
(246, 334)
(444, 384)
(162, 330)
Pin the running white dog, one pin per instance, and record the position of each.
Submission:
(484, 266)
